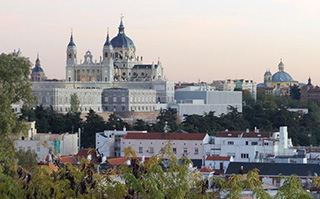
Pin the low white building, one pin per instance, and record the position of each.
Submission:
(44, 143)
(183, 144)
(245, 146)
(199, 100)
(108, 143)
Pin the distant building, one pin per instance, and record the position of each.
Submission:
(183, 144)
(124, 99)
(197, 100)
(37, 73)
(310, 92)
(280, 82)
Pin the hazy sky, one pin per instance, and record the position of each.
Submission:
(205, 39)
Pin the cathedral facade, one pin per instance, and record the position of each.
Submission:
(118, 62)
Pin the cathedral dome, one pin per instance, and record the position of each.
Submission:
(282, 77)
(121, 40)
(37, 69)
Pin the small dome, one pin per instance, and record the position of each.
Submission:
(282, 77)
(280, 64)
(267, 73)
(37, 69)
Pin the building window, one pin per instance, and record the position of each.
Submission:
(38, 149)
(196, 151)
(114, 99)
(140, 149)
(231, 155)
(244, 155)
(247, 143)
(174, 150)
(230, 143)
(151, 150)
(185, 150)
(123, 99)
(106, 99)
(254, 143)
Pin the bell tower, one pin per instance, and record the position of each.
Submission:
(107, 61)
(71, 59)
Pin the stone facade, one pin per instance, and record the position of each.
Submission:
(124, 99)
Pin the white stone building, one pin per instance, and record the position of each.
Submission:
(124, 99)
(183, 144)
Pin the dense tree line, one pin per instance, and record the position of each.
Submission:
(268, 113)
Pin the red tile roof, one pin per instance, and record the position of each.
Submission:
(243, 134)
(165, 136)
(205, 169)
(218, 158)
(117, 161)
(68, 159)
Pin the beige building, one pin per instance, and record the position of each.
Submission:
(183, 144)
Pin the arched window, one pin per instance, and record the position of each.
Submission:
(106, 55)
(69, 55)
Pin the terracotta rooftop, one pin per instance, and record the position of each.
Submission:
(117, 161)
(165, 136)
(218, 158)
(205, 169)
(68, 159)
(244, 134)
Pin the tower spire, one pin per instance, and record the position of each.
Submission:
(121, 27)
(107, 40)
(71, 43)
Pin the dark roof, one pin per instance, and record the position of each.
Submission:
(121, 40)
(144, 66)
(244, 134)
(165, 136)
(37, 69)
(274, 169)
(218, 158)
(71, 43)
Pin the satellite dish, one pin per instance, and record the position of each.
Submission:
(89, 157)
(104, 159)
(128, 162)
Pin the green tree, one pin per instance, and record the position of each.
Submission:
(26, 159)
(292, 188)
(75, 103)
(295, 92)
(92, 125)
(15, 87)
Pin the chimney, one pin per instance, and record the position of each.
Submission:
(283, 139)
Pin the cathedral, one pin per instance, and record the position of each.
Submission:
(117, 63)
(280, 82)
(98, 83)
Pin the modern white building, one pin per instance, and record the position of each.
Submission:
(199, 100)
(245, 146)
(183, 144)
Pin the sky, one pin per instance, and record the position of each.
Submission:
(202, 40)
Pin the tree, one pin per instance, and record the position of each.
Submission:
(26, 159)
(15, 87)
(92, 125)
(292, 188)
(295, 92)
(75, 103)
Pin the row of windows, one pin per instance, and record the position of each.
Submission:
(145, 99)
(185, 150)
(247, 143)
(133, 108)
